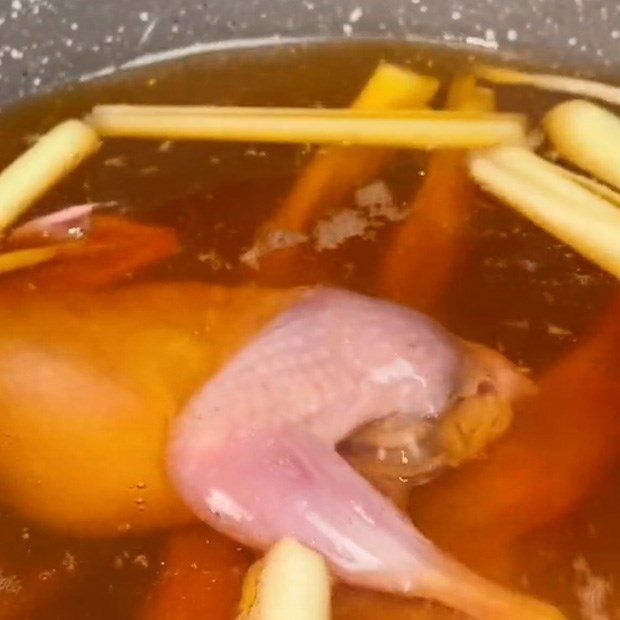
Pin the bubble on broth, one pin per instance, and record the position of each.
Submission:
(9, 584)
(375, 207)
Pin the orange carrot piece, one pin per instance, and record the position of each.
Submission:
(201, 578)
(115, 249)
(425, 248)
(560, 444)
(335, 172)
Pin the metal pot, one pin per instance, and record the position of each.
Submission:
(45, 43)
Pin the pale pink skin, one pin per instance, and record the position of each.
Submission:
(64, 225)
(253, 454)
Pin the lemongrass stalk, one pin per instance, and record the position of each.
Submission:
(33, 173)
(390, 87)
(424, 130)
(599, 189)
(604, 191)
(565, 209)
(545, 173)
(119, 111)
(546, 81)
(291, 581)
(588, 136)
(21, 259)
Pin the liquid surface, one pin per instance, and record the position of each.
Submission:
(519, 291)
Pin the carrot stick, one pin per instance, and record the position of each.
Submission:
(201, 577)
(564, 440)
(115, 249)
(425, 247)
(335, 172)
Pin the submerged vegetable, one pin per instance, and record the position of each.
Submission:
(563, 441)
(466, 95)
(111, 252)
(424, 249)
(200, 576)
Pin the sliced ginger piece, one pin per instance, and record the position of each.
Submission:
(588, 136)
(291, 581)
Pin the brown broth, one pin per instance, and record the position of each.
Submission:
(519, 291)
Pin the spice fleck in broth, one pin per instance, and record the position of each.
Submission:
(534, 512)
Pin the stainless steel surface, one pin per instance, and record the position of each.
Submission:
(47, 42)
